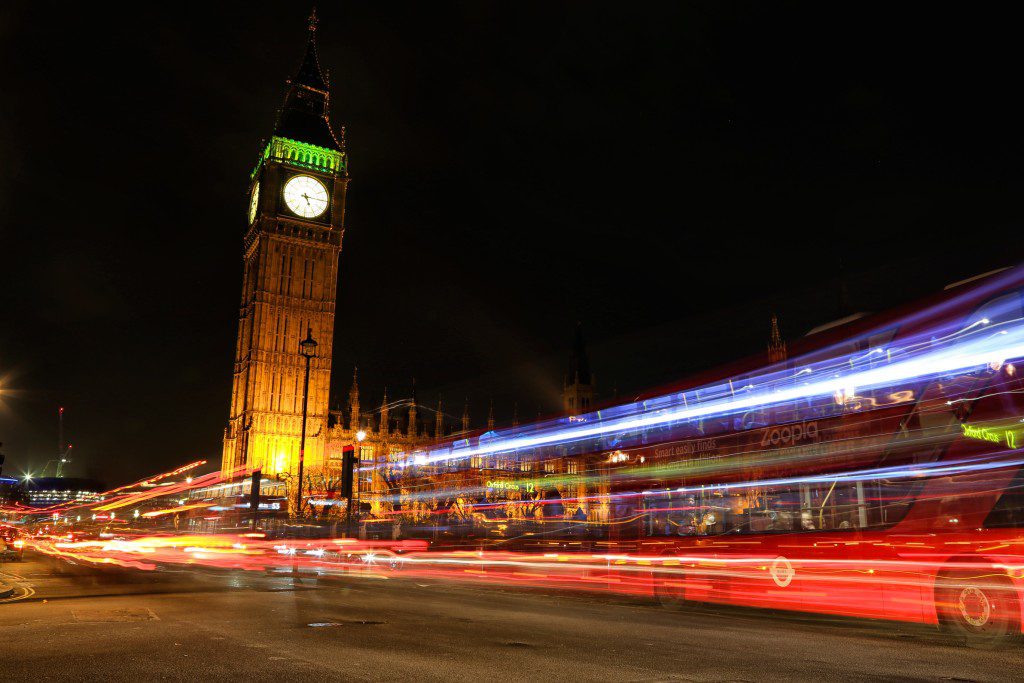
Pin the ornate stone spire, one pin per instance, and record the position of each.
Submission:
(578, 388)
(353, 401)
(411, 431)
(305, 114)
(385, 415)
(310, 74)
(490, 417)
(438, 421)
(776, 345)
(465, 416)
(515, 414)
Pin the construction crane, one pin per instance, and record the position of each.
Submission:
(62, 452)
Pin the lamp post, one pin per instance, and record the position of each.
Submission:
(307, 347)
(354, 494)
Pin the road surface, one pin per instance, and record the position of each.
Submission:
(74, 623)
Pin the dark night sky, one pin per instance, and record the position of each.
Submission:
(666, 173)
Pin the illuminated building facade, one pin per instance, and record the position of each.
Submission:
(46, 491)
(291, 245)
(378, 437)
(516, 485)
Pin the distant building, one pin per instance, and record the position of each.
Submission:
(46, 491)
(11, 491)
(578, 385)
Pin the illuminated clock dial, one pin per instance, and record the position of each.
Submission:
(254, 202)
(306, 196)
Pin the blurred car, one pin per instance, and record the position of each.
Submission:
(12, 546)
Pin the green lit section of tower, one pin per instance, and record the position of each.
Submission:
(303, 155)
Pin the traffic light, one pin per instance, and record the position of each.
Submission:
(254, 497)
(348, 463)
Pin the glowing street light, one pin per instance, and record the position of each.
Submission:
(360, 435)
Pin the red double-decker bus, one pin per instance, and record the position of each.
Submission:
(876, 474)
(902, 502)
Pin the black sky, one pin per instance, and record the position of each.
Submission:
(666, 173)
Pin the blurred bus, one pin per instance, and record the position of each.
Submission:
(900, 499)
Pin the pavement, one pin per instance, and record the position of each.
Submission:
(69, 622)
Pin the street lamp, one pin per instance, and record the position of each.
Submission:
(307, 347)
(358, 457)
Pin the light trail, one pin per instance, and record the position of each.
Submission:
(718, 466)
(968, 350)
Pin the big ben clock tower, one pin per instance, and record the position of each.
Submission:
(294, 217)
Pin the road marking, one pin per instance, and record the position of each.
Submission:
(26, 592)
(115, 615)
(20, 583)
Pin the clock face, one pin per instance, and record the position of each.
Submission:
(253, 202)
(306, 196)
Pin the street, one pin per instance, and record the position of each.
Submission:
(70, 622)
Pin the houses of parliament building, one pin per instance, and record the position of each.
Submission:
(295, 224)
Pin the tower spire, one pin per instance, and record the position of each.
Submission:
(438, 421)
(353, 400)
(465, 416)
(305, 115)
(385, 425)
(411, 431)
(578, 388)
(310, 74)
(776, 345)
(515, 414)
(490, 417)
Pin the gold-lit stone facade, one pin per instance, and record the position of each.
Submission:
(278, 309)
(378, 438)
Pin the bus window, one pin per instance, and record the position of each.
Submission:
(1008, 512)
(999, 310)
(859, 505)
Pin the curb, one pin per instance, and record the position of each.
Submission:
(6, 590)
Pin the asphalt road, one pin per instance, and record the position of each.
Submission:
(74, 623)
